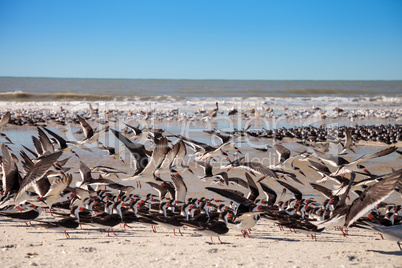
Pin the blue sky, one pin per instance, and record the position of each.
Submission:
(323, 40)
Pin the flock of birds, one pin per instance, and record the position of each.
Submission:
(65, 116)
(39, 179)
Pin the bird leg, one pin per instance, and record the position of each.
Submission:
(314, 237)
(153, 229)
(51, 211)
(343, 232)
(126, 225)
(399, 244)
(66, 234)
(180, 233)
(212, 240)
(245, 233)
(220, 240)
(382, 237)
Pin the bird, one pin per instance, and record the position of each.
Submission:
(346, 215)
(393, 232)
(353, 166)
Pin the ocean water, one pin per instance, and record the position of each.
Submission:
(189, 93)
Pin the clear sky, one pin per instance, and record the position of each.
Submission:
(189, 39)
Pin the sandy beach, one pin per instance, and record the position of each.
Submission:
(22, 246)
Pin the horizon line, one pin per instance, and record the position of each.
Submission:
(196, 79)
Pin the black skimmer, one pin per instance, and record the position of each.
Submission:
(40, 169)
(22, 214)
(180, 188)
(62, 143)
(144, 167)
(353, 166)
(253, 167)
(90, 135)
(345, 215)
(263, 149)
(245, 221)
(213, 228)
(271, 195)
(109, 220)
(285, 160)
(11, 179)
(173, 160)
(348, 143)
(70, 222)
(5, 119)
(54, 193)
(86, 128)
(393, 232)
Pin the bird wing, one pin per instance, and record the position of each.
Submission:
(86, 128)
(9, 168)
(323, 190)
(319, 167)
(181, 153)
(254, 192)
(5, 119)
(372, 196)
(231, 195)
(38, 146)
(180, 187)
(85, 172)
(271, 194)
(283, 153)
(136, 130)
(38, 171)
(158, 155)
(62, 142)
(47, 146)
(137, 150)
(259, 168)
(294, 190)
(375, 155)
(59, 185)
(160, 189)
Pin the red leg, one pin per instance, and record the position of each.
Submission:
(243, 233)
(382, 237)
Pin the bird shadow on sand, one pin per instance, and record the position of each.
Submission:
(397, 253)
(217, 243)
(278, 238)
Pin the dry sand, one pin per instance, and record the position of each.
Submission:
(22, 246)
